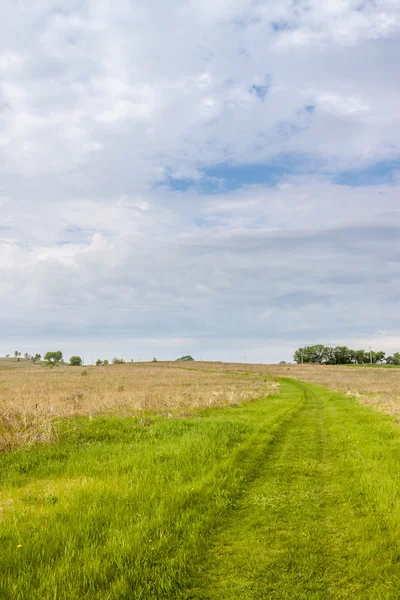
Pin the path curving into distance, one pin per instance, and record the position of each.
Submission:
(322, 519)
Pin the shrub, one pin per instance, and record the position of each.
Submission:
(75, 361)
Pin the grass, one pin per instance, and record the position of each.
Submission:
(119, 509)
(375, 386)
(32, 400)
(323, 518)
(293, 495)
(14, 363)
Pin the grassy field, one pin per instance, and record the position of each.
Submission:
(294, 495)
(377, 385)
(34, 399)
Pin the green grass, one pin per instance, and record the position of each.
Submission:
(293, 497)
(123, 510)
(323, 519)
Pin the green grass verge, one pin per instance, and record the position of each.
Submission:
(123, 510)
(296, 496)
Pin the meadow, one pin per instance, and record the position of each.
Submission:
(377, 385)
(169, 482)
(33, 399)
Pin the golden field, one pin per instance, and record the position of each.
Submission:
(32, 398)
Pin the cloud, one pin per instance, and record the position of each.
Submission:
(198, 171)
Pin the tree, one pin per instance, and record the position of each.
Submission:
(99, 362)
(117, 361)
(17, 354)
(75, 361)
(310, 354)
(105, 362)
(27, 356)
(396, 358)
(393, 360)
(53, 358)
(154, 359)
(361, 357)
(342, 355)
(36, 357)
(188, 357)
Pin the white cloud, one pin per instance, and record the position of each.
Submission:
(101, 104)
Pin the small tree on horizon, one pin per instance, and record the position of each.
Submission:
(53, 358)
(75, 361)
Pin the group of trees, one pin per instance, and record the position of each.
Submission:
(342, 355)
(100, 362)
(33, 357)
(54, 358)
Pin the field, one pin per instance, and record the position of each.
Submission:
(32, 400)
(162, 482)
(378, 386)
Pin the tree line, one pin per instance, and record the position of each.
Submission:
(54, 358)
(342, 355)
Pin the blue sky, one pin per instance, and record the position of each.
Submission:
(218, 179)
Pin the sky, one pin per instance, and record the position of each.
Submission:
(217, 178)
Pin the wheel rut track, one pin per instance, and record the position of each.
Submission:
(230, 571)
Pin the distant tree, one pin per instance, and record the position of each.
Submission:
(154, 360)
(105, 362)
(361, 357)
(53, 358)
(17, 354)
(283, 362)
(188, 357)
(117, 361)
(341, 355)
(393, 360)
(309, 354)
(36, 358)
(75, 361)
(99, 362)
(27, 356)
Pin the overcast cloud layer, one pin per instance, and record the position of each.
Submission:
(219, 178)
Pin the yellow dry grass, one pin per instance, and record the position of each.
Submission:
(376, 386)
(31, 400)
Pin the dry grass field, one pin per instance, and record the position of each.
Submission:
(32, 399)
(379, 387)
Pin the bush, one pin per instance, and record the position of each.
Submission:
(75, 361)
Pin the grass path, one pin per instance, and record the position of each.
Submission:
(292, 497)
(322, 520)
